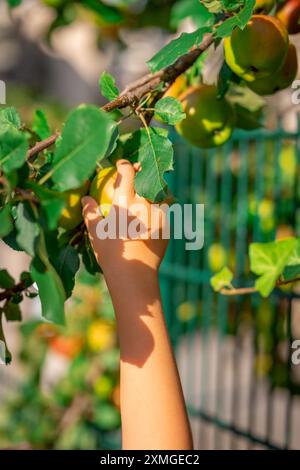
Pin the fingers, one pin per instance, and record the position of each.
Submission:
(91, 213)
(124, 186)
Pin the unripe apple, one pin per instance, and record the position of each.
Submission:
(289, 15)
(209, 121)
(259, 49)
(264, 6)
(280, 80)
(71, 215)
(102, 188)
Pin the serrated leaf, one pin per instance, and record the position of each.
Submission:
(176, 48)
(107, 85)
(240, 20)
(50, 286)
(13, 149)
(85, 139)
(292, 268)
(154, 151)
(27, 228)
(222, 279)
(67, 265)
(6, 224)
(169, 110)
(6, 281)
(9, 117)
(191, 9)
(268, 261)
(40, 125)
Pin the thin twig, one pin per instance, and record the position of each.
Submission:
(132, 95)
(253, 290)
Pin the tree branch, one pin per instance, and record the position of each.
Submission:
(138, 89)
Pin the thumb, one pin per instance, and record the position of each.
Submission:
(91, 212)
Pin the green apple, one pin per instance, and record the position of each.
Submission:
(209, 121)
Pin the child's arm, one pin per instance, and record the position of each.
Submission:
(152, 404)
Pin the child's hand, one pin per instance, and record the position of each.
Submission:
(122, 254)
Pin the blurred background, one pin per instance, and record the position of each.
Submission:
(61, 390)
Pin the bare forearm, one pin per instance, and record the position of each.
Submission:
(152, 405)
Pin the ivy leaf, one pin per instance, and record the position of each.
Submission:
(169, 110)
(40, 125)
(191, 9)
(85, 139)
(9, 117)
(176, 48)
(152, 148)
(268, 261)
(88, 257)
(52, 202)
(222, 279)
(6, 281)
(240, 20)
(50, 286)
(6, 224)
(107, 85)
(67, 265)
(13, 149)
(27, 228)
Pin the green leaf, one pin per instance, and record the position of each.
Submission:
(5, 355)
(154, 151)
(268, 261)
(52, 202)
(222, 279)
(191, 9)
(169, 110)
(27, 228)
(85, 139)
(40, 125)
(12, 311)
(292, 269)
(246, 98)
(6, 281)
(9, 117)
(109, 14)
(67, 265)
(240, 20)
(13, 149)
(176, 48)
(6, 224)
(50, 286)
(107, 85)
(88, 257)
(213, 6)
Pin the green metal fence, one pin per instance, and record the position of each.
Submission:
(234, 354)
